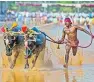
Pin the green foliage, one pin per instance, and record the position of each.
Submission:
(65, 2)
(66, 9)
(12, 5)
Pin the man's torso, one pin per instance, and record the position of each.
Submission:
(71, 35)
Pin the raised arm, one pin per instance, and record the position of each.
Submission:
(84, 30)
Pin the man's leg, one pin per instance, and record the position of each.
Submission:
(67, 55)
(74, 51)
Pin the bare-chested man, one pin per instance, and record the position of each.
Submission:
(72, 41)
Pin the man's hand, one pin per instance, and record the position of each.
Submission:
(88, 26)
(93, 36)
(60, 41)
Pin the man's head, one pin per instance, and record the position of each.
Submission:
(67, 22)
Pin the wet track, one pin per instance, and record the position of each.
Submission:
(81, 67)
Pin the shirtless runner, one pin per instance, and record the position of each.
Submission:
(72, 41)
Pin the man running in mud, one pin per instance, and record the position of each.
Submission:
(72, 41)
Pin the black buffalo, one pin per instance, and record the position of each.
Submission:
(13, 42)
(34, 44)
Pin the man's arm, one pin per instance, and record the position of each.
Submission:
(63, 37)
(84, 30)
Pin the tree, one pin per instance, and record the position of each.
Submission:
(12, 5)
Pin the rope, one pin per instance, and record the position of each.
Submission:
(91, 39)
(52, 40)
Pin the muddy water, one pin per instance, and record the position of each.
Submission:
(80, 67)
(73, 74)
